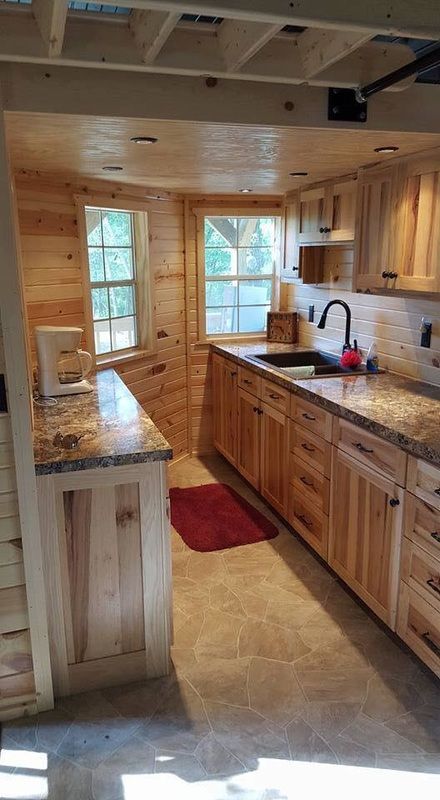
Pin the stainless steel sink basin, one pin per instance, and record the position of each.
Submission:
(326, 364)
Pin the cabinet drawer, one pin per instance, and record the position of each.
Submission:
(421, 572)
(312, 417)
(308, 521)
(275, 396)
(371, 450)
(309, 482)
(424, 481)
(422, 524)
(418, 624)
(249, 381)
(310, 448)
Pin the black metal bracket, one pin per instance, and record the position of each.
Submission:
(344, 107)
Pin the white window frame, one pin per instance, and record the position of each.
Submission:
(142, 282)
(242, 213)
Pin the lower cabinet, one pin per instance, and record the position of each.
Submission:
(418, 624)
(225, 407)
(274, 458)
(365, 533)
(248, 438)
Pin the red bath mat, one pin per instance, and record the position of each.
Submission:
(215, 517)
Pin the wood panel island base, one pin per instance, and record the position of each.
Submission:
(106, 539)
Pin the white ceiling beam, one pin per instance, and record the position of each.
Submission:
(320, 49)
(240, 40)
(151, 29)
(396, 17)
(51, 18)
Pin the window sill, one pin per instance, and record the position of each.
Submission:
(117, 359)
(258, 337)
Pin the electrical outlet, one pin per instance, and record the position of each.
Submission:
(426, 331)
(311, 313)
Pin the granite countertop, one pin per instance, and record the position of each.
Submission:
(402, 410)
(114, 428)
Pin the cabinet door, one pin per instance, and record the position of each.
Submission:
(365, 533)
(274, 458)
(342, 210)
(225, 407)
(417, 225)
(373, 229)
(313, 215)
(248, 446)
(291, 265)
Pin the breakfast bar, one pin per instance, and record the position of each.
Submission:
(104, 515)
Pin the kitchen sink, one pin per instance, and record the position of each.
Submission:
(326, 364)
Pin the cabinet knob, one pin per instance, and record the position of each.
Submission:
(385, 274)
(390, 274)
(394, 502)
(436, 536)
(325, 229)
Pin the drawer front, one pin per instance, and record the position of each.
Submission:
(418, 624)
(275, 396)
(249, 381)
(312, 417)
(308, 521)
(422, 524)
(421, 572)
(309, 482)
(310, 448)
(424, 481)
(371, 450)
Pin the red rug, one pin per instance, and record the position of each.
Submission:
(215, 517)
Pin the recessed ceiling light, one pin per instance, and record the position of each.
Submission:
(389, 148)
(112, 168)
(245, 191)
(297, 174)
(144, 139)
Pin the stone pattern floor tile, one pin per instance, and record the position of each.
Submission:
(274, 663)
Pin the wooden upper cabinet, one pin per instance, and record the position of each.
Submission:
(313, 215)
(341, 200)
(417, 225)
(225, 407)
(327, 213)
(373, 228)
(365, 533)
(291, 244)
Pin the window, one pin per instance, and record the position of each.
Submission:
(113, 279)
(239, 268)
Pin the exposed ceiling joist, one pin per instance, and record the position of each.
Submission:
(320, 49)
(398, 17)
(240, 40)
(151, 29)
(51, 18)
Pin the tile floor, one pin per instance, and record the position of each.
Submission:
(281, 684)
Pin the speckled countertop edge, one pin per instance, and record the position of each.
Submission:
(304, 388)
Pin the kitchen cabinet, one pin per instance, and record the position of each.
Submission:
(248, 439)
(274, 457)
(373, 232)
(418, 624)
(291, 265)
(327, 213)
(365, 533)
(225, 407)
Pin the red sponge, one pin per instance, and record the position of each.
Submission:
(350, 359)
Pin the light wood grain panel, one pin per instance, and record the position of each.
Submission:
(418, 625)
(13, 605)
(130, 567)
(17, 686)
(15, 653)
(422, 524)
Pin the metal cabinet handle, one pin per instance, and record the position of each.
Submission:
(362, 447)
(245, 380)
(233, 374)
(437, 491)
(432, 645)
(255, 408)
(305, 521)
(275, 396)
(394, 502)
(433, 585)
(305, 481)
(309, 416)
(308, 448)
(436, 535)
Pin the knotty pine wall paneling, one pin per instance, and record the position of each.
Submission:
(55, 296)
(393, 322)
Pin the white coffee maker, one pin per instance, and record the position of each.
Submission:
(62, 365)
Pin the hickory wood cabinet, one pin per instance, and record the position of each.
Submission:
(225, 408)
(359, 501)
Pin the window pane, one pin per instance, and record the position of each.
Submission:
(221, 261)
(102, 337)
(256, 232)
(221, 293)
(121, 301)
(118, 264)
(253, 319)
(96, 264)
(255, 261)
(93, 224)
(124, 333)
(116, 228)
(220, 232)
(255, 293)
(221, 320)
(100, 303)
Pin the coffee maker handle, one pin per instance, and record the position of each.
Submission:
(86, 362)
